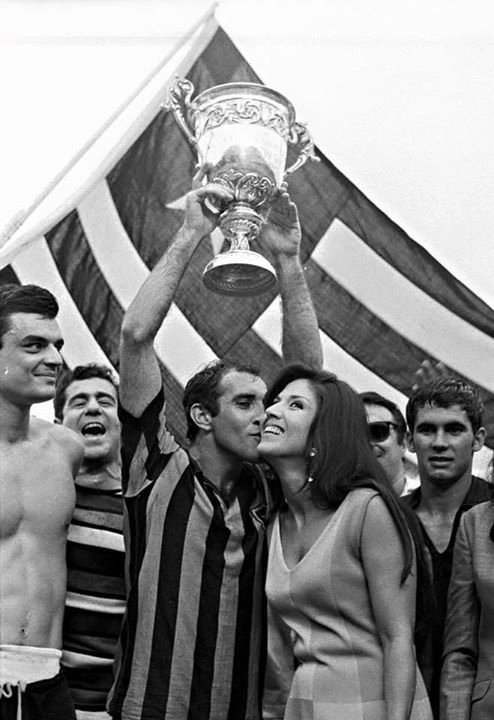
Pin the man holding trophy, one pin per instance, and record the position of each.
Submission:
(192, 641)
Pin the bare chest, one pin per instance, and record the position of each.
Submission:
(36, 490)
(297, 542)
(438, 527)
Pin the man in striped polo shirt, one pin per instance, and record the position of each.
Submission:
(192, 642)
(86, 401)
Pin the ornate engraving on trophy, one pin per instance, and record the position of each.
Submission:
(242, 131)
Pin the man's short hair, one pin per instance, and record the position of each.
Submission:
(443, 393)
(25, 299)
(80, 372)
(203, 388)
(373, 398)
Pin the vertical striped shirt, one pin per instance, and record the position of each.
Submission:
(193, 640)
(95, 601)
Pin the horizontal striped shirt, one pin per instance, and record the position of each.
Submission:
(95, 601)
(193, 638)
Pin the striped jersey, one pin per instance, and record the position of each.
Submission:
(193, 638)
(95, 595)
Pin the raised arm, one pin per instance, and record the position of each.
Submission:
(393, 604)
(282, 234)
(140, 377)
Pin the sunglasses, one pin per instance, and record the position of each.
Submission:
(379, 431)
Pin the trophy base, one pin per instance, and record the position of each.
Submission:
(239, 273)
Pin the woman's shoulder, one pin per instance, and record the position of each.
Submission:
(361, 499)
(362, 495)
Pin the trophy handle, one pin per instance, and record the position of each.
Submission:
(300, 135)
(179, 102)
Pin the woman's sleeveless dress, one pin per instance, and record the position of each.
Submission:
(324, 600)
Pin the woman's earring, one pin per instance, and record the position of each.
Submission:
(312, 455)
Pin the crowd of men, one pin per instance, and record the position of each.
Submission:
(174, 627)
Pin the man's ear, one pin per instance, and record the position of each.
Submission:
(409, 440)
(201, 416)
(479, 439)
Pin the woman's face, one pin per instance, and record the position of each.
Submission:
(288, 420)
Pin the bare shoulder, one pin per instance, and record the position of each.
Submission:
(377, 516)
(66, 440)
(364, 497)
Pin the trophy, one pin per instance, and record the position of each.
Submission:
(241, 131)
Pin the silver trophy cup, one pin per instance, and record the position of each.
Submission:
(241, 131)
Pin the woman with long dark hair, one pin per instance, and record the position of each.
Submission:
(341, 572)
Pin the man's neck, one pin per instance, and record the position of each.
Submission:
(15, 422)
(447, 500)
(221, 469)
(100, 476)
(398, 484)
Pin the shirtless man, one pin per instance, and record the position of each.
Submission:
(38, 463)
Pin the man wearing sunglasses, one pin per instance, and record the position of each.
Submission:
(387, 431)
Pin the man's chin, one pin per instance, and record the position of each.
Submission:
(94, 449)
(252, 457)
(443, 478)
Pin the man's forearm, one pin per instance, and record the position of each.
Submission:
(301, 339)
(152, 303)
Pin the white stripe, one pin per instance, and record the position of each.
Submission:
(118, 260)
(76, 660)
(269, 328)
(404, 307)
(96, 537)
(113, 606)
(35, 264)
(180, 348)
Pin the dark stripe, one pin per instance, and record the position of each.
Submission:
(8, 276)
(99, 501)
(208, 614)
(87, 582)
(168, 594)
(87, 623)
(95, 560)
(86, 284)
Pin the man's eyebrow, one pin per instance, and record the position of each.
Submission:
(450, 423)
(42, 339)
(84, 395)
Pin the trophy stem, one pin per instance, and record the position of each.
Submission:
(240, 271)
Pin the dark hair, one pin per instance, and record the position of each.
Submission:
(343, 457)
(24, 299)
(80, 372)
(443, 393)
(203, 388)
(373, 398)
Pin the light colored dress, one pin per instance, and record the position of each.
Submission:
(324, 603)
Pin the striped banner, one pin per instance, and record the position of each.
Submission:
(383, 302)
